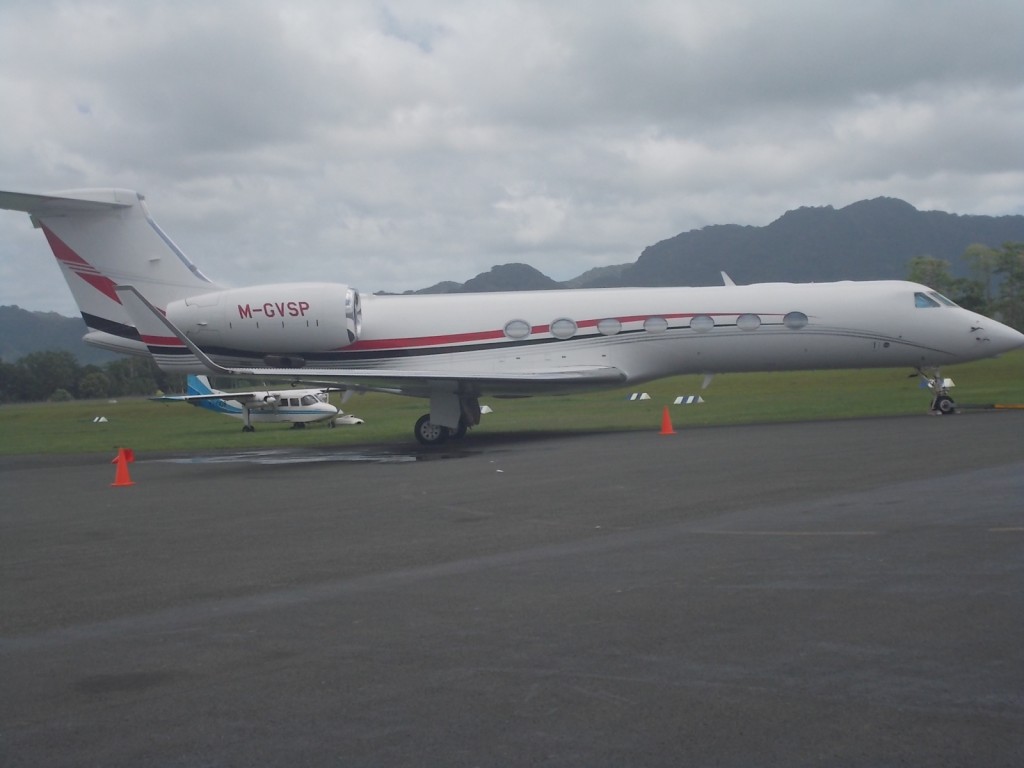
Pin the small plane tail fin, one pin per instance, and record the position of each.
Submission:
(103, 238)
(199, 385)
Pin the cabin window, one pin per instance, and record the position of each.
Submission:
(795, 320)
(923, 301)
(748, 322)
(655, 325)
(563, 328)
(702, 323)
(609, 326)
(517, 329)
(309, 400)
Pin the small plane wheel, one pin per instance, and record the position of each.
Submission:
(248, 428)
(460, 432)
(299, 425)
(945, 405)
(428, 433)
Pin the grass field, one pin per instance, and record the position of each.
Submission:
(144, 425)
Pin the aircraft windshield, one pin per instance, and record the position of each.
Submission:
(931, 299)
(942, 299)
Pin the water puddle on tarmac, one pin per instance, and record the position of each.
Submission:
(288, 456)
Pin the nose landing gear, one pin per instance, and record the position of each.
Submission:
(943, 403)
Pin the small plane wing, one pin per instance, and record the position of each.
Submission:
(153, 326)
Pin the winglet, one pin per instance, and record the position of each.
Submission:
(174, 353)
(726, 280)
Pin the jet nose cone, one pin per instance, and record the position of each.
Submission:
(1002, 338)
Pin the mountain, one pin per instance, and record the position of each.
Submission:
(599, 277)
(23, 332)
(525, 277)
(868, 240)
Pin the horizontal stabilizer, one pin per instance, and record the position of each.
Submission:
(90, 200)
(242, 397)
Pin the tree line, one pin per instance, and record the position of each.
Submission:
(58, 376)
(995, 288)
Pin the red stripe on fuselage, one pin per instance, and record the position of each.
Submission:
(162, 341)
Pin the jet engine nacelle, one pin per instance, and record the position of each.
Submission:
(273, 319)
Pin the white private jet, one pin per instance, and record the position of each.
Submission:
(297, 407)
(138, 293)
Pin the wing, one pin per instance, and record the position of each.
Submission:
(153, 326)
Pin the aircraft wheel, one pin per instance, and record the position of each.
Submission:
(430, 434)
(248, 428)
(460, 431)
(945, 405)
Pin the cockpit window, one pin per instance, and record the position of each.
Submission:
(308, 400)
(942, 299)
(923, 301)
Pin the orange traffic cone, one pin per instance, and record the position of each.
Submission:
(123, 458)
(666, 423)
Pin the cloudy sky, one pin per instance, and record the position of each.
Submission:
(392, 145)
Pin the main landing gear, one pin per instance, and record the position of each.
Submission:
(431, 433)
(943, 403)
(428, 433)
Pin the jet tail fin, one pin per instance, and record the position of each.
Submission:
(103, 238)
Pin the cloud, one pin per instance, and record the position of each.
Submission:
(394, 145)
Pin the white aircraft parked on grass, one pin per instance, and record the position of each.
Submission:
(297, 407)
(138, 293)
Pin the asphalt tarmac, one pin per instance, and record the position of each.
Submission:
(831, 593)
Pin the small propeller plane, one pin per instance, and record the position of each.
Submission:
(140, 294)
(298, 407)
